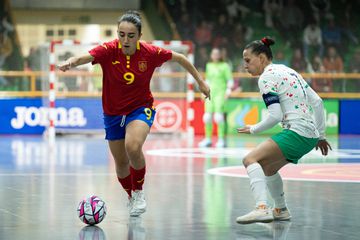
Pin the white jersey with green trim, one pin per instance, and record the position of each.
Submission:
(294, 97)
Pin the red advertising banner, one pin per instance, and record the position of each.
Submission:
(170, 115)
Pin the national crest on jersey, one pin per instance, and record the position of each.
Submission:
(142, 66)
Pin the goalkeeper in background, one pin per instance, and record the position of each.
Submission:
(219, 77)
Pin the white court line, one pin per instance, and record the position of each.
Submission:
(13, 214)
(218, 171)
(93, 174)
(240, 152)
(210, 171)
(15, 190)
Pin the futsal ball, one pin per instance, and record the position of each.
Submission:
(91, 210)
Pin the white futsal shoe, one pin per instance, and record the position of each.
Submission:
(281, 214)
(138, 203)
(220, 143)
(206, 142)
(261, 214)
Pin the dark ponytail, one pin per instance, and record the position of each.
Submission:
(133, 17)
(262, 46)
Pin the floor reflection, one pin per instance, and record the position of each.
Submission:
(92, 233)
(136, 229)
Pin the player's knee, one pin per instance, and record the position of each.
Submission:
(248, 160)
(207, 118)
(132, 148)
(219, 117)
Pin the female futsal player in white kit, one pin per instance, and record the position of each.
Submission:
(291, 101)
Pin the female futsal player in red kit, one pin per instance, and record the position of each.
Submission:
(127, 66)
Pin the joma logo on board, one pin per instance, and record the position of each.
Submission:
(33, 116)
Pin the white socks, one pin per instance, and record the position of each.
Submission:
(275, 186)
(257, 183)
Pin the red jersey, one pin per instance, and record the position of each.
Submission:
(126, 79)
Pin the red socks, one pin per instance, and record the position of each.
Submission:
(126, 184)
(134, 181)
(138, 177)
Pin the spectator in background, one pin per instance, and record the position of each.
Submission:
(203, 34)
(237, 80)
(232, 8)
(240, 34)
(33, 63)
(225, 57)
(351, 10)
(248, 32)
(6, 24)
(315, 65)
(347, 21)
(33, 59)
(280, 58)
(332, 34)
(312, 38)
(298, 62)
(291, 22)
(236, 11)
(272, 8)
(348, 33)
(333, 63)
(354, 65)
(319, 84)
(221, 31)
(320, 9)
(186, 27)
(6, 49)
(202, 57)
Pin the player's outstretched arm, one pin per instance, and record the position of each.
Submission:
(185, 63)
(75, 61)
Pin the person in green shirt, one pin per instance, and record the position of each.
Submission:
(219, 77)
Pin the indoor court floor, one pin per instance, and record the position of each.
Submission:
(191, 193)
